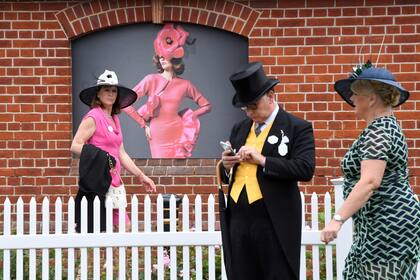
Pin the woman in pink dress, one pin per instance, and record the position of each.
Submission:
(101, 128)
(171, 133)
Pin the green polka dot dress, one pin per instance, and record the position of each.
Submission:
(386, 238)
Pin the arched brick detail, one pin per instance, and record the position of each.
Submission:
(83, 18)
(226, 15)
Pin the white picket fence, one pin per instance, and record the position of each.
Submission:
(148, 237)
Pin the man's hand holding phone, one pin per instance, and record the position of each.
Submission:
(229, 156)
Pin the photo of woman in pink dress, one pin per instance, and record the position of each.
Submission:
(171, 133)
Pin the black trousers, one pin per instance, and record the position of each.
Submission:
(256, 252)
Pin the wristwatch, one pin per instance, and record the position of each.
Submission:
(338, 218)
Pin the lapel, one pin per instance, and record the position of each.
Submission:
(279, 124)
(243, 134)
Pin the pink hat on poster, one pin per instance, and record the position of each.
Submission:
(169, 41)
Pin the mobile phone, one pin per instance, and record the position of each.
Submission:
(227, 147)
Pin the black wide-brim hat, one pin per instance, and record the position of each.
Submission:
(250, 84)
(126, 95)
(343, 87)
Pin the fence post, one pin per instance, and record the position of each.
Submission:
(345, 237)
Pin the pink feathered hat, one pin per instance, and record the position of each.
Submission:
(169, 41)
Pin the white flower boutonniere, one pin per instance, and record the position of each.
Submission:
(283, 149)
(272, 139)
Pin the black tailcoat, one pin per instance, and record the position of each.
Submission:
(278, 180)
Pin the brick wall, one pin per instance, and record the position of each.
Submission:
(306, 44)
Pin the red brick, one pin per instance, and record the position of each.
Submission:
(194, 16)
(348, 21)
(211, 19)
(378, 20)
(87, 27)
(112, 17)
(228, 8)
(25, 25)
(320, 13)
(176, 14)
(319, 41)
(409, 9)
(407, 38)
(78, 28)
(291, 22)
(211, 5)
(320, 3)
(320, 22)
(377, 11)
(185, 14)
(334, 12)
(237, 9)
(349, 12)
(139, 15)
(55, 44)
(250, 23)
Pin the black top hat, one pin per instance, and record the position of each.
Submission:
(250, 84)
(109, 78)
(368, 72)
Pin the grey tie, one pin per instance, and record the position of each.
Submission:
(258, 127)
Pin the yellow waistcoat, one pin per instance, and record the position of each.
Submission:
(246, 173)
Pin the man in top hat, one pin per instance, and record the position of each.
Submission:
(274, 150)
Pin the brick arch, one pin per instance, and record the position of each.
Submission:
(86, 17)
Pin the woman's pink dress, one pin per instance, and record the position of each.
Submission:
(174, 134)
(108, 137)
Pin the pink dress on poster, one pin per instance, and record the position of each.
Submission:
(174, 133)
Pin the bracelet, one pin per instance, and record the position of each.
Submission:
(338, 218)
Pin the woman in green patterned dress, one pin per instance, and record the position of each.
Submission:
(385, 212)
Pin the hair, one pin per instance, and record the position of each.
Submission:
(97, 103)
(389, 95)
(177, 64)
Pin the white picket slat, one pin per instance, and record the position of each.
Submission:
(70, 230)
(211, 249)
(32, 231)
(96, 229)
(45, 232)
(172, 228)
(186, 228)
(315, 249)
(6, 232)
(134, 228)
(83, 229)
(58, 230)
(109, 250)
(328, 248)
(198, 249)
(121, 250)
(147, 229)
(19, 231)
(160, 267)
